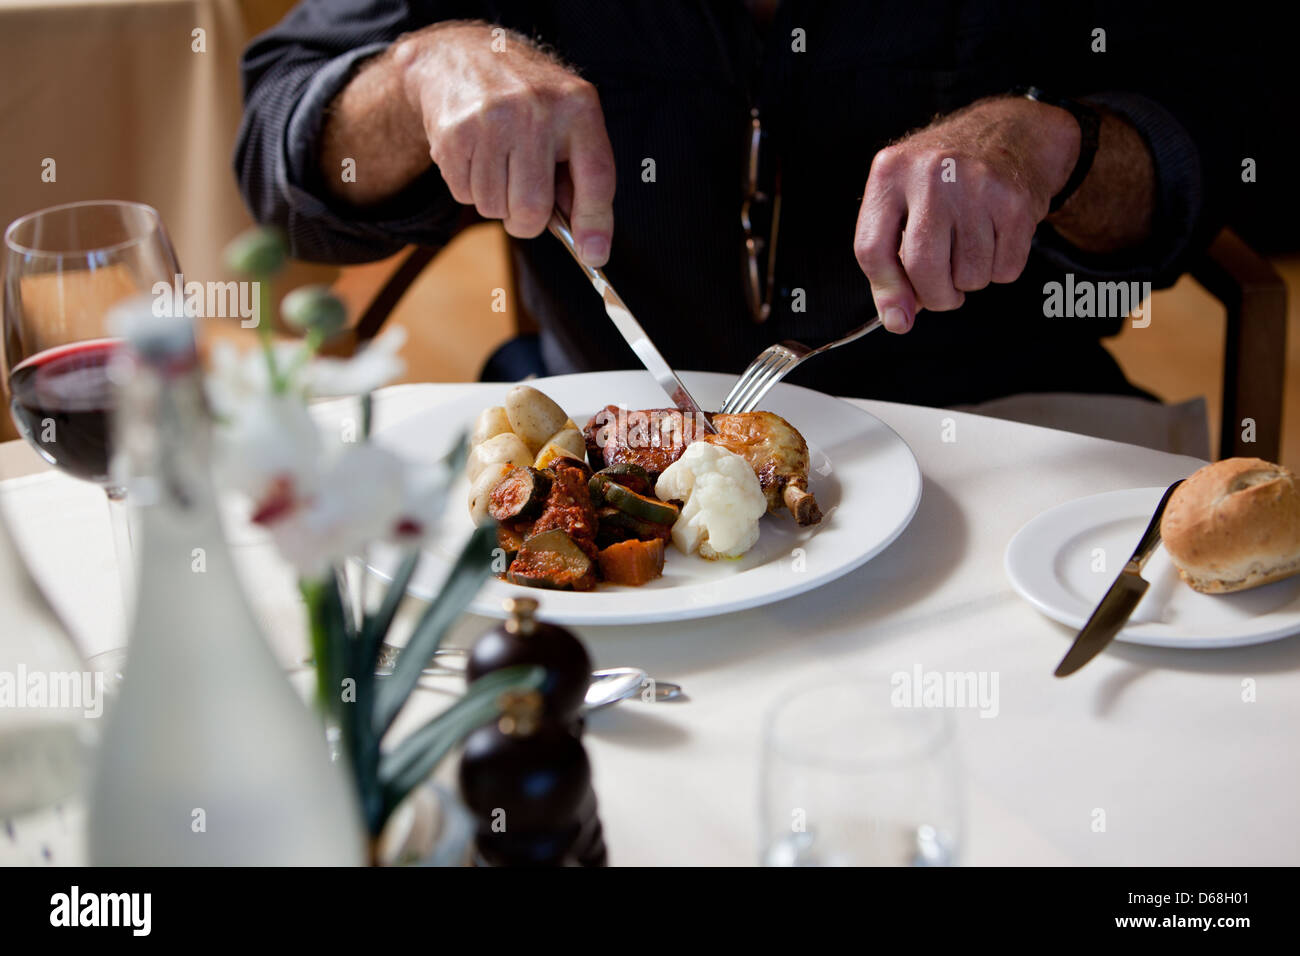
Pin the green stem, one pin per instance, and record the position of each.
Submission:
(265, 332)
(311, 342)
(321, 651)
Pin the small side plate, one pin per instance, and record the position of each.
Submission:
(1063, 561)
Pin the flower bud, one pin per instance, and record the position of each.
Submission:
(256, 252)
(314, 308)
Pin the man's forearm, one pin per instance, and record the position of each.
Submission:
(1114, 205)
(373, 123)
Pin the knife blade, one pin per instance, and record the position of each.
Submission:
(1120, 601)
(631, 330)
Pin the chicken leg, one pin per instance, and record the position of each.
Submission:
(779, 456)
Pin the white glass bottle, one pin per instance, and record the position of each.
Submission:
(208, 757)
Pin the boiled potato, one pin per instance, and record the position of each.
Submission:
(491, 422)
(567, 441)
(480, 490)
(506, 448)
(533, 416)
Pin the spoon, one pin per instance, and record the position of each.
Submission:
(613, 684)
(608, 685)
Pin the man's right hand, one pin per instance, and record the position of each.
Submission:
(512, 131)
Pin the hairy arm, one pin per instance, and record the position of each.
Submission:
(512, 131)
(954, 206)
(373, 123)
(1112, 208)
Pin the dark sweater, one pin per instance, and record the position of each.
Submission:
(677, 80)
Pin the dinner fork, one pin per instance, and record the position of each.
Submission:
(776, 362)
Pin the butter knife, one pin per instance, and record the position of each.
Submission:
(1120, 601)
(631, 330)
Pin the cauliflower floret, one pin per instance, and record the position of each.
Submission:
(723, 501)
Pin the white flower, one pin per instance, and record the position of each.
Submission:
(270, 441)
(237, 377)
(423, 502)
(319, 503)
(358, 499)
(373, 367)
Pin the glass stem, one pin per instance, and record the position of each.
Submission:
(120, 519)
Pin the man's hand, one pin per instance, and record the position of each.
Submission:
(512, 132)
(953, 207)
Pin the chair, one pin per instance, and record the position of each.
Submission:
(1254, 361)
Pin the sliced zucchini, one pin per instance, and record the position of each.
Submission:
(520, 494)
(629, 475)
(638, 506)
(615, 525)
(552, 560)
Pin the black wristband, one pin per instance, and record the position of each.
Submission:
(1089, 121)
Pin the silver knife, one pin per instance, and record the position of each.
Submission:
(1117, 606)
(631, 330)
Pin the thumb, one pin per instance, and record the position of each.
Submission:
(591, 174)
(894, 297)
(876, 244)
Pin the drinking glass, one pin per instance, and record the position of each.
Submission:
(65, 267)
(850, 779)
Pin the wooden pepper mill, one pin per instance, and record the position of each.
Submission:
(526, 777)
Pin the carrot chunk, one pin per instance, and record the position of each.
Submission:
(632, 562)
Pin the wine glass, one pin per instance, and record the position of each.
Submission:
(852, 778)
(65, 267)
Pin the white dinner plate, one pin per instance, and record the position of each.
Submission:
(866, 480)
(1063, 561)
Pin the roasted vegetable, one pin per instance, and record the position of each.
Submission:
(551, 559)
(616, 525)
(480, 490)
(632, 562)
(569, 508)
(627, 474)
(511, 536)
(520, 494)
(639, 506)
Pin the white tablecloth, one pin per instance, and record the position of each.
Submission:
(1161, 740)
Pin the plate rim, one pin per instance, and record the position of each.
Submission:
(689, 611)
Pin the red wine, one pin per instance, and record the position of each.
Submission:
(61, 402)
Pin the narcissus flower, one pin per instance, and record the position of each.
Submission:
(320, 501)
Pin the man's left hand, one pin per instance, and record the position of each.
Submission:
(954, 206)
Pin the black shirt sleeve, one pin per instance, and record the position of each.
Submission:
(291, 74)
(1148, 66)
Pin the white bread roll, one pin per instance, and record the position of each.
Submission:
(1234, 525)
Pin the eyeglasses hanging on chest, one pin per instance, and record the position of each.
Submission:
(760, 220)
